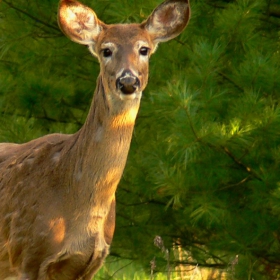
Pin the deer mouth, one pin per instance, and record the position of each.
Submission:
(127, 89)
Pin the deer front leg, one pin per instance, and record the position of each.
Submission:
(98, 258)
(95, 263)
(74, 267)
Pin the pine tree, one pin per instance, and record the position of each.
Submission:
(206, 148)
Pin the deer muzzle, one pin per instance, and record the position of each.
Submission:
(127, 83)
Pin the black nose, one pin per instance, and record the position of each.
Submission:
(127, 82)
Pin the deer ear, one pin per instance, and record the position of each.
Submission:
(79, 22)
(168, 20)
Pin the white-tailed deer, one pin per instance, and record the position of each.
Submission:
(57, 193)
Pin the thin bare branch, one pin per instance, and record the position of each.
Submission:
(37, 20)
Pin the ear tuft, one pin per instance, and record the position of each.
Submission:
(168, 20)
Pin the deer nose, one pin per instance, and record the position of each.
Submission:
(127, 82)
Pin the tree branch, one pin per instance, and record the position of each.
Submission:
(242, 165)
(30, 16)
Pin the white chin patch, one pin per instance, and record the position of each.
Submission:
(131, 96)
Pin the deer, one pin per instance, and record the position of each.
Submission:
(57, 192)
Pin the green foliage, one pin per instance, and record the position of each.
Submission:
(213, 133)
(125, 270)
(203, 170)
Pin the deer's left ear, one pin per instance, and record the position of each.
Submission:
(168, 20)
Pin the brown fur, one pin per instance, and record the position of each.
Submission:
(57, 192)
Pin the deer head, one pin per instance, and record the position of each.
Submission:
(123, 50)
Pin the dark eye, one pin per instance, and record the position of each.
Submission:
(107, 52)
(144, 51)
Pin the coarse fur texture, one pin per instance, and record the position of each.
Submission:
(57, 192)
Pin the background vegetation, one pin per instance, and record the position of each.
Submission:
(203, 170)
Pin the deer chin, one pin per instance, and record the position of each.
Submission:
(131, 96)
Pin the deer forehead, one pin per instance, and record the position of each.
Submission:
(127, 36)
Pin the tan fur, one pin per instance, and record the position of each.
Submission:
(57, 192)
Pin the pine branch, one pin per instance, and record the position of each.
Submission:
(274, 10)
(231, 81)
(234, 185)
(242, 165)
(191, 125)
(48, 118)
(7, 62)
(209, 265)
(44, 117)
(31, 16)
(152, 201)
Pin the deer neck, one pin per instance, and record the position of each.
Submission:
(102, 145)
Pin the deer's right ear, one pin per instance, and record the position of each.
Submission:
(79, 22)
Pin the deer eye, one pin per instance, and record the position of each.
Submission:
(107, 52)
(144, 50)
